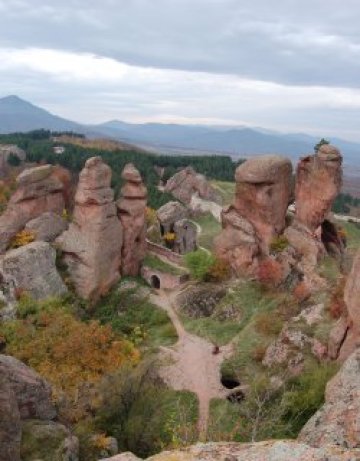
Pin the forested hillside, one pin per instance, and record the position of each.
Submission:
(39, 147)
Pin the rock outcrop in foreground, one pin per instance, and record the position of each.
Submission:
(261, 451)
(351, 331)
(257, 216)
(31, 269)
(132, 214)
(92, 245)
(338, 421)
(38, 191)
(26, 406)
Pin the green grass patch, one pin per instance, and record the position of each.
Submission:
(352, 234)
(226, 189)
(243, 301)
(135, 317)
(156, 263)
(210, 229)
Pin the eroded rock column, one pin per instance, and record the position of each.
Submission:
(92, 244)
(263, 191)
(132, 214)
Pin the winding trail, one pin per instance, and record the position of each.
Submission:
(193, 366)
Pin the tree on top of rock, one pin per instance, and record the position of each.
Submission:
(320, 143)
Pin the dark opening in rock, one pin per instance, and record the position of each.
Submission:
(230, 383)
(236, 397)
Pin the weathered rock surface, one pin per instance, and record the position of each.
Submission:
(318, 182)
(186, 183)
(168, 214)
(338, 421)
(92, 244)
(132, 214)
(263, 191)
(38, 191)
(32, 393)
(352, 301)
(48, 441)
(47, 226)
(273, 450)
(185, 236)
(10, 425)
(32, 269)
(238, 243)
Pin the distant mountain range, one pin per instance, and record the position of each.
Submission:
(19, 115)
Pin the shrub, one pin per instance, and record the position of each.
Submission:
(268, 323)
(22, 238)
(13, 160)
(279, 244)
(199, 262)
(269, 272)
(65, 350)
(219, 271)
(305, 395)
(302, 292)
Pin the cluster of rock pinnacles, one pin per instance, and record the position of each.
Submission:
(104, 240)
(259, 214)
(107, 238)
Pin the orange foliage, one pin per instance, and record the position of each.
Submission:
(22, 238)
(269, 272)
(302, 292)
(69, 352)
(218, 271)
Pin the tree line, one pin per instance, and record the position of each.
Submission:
(39, 145)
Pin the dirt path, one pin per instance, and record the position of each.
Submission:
(193, 366)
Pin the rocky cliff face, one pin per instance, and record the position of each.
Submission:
(280, 450)
(25, 405)
(184, 184)
(132, 214)
(318, 182)
(92, 244)
(263, 191)
(38, 191)
(338, 421)
(349, 338)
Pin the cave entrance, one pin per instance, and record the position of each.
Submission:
(230, 383)
(155, 281)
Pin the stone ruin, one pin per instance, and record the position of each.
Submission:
(173, 220)
(104, 240)
(259, 214)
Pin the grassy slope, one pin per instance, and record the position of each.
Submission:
(210, 228)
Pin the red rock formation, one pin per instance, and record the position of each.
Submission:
(263, 190)
(352, 301)
(184, 184)
(237, 243)
(132, 214)
(92, 244)
(38, 191)
(318, 182)
(337, 422)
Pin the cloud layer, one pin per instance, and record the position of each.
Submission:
(287, 65)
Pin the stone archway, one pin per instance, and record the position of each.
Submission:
(155, 281)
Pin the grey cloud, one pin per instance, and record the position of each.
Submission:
(287, 41)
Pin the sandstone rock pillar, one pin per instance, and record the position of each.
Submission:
(92, 244)
(132, 214)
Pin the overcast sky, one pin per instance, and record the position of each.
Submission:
(288, 65)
